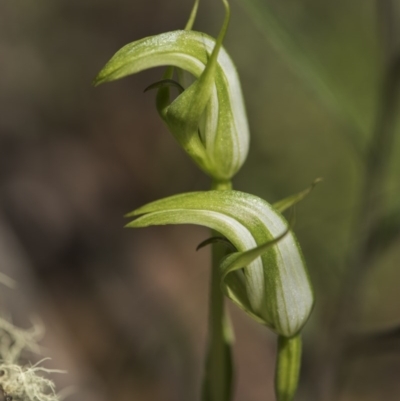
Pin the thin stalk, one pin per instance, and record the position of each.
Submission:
(287, 367)
(218, 375)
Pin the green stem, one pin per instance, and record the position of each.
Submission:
(287, 367)
(218, 375)
(220, 185)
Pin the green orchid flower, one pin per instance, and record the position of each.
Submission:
(208, 118)
(266, 277)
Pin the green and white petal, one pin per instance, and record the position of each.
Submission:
(272, 284)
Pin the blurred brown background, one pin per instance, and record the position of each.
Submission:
(126, 311)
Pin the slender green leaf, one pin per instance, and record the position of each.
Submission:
(308, 67)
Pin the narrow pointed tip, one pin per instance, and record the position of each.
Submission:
(97, 81)
(130, 214)
(102, 76)
(131, 224)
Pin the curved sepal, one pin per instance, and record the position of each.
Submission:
(267, 276)
(292, 200)
(213, 103)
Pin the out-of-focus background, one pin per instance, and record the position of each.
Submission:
(125, 311)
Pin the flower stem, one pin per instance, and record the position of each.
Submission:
(219, 371)
(287, 367)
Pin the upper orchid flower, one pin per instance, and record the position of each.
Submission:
(208, 118)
